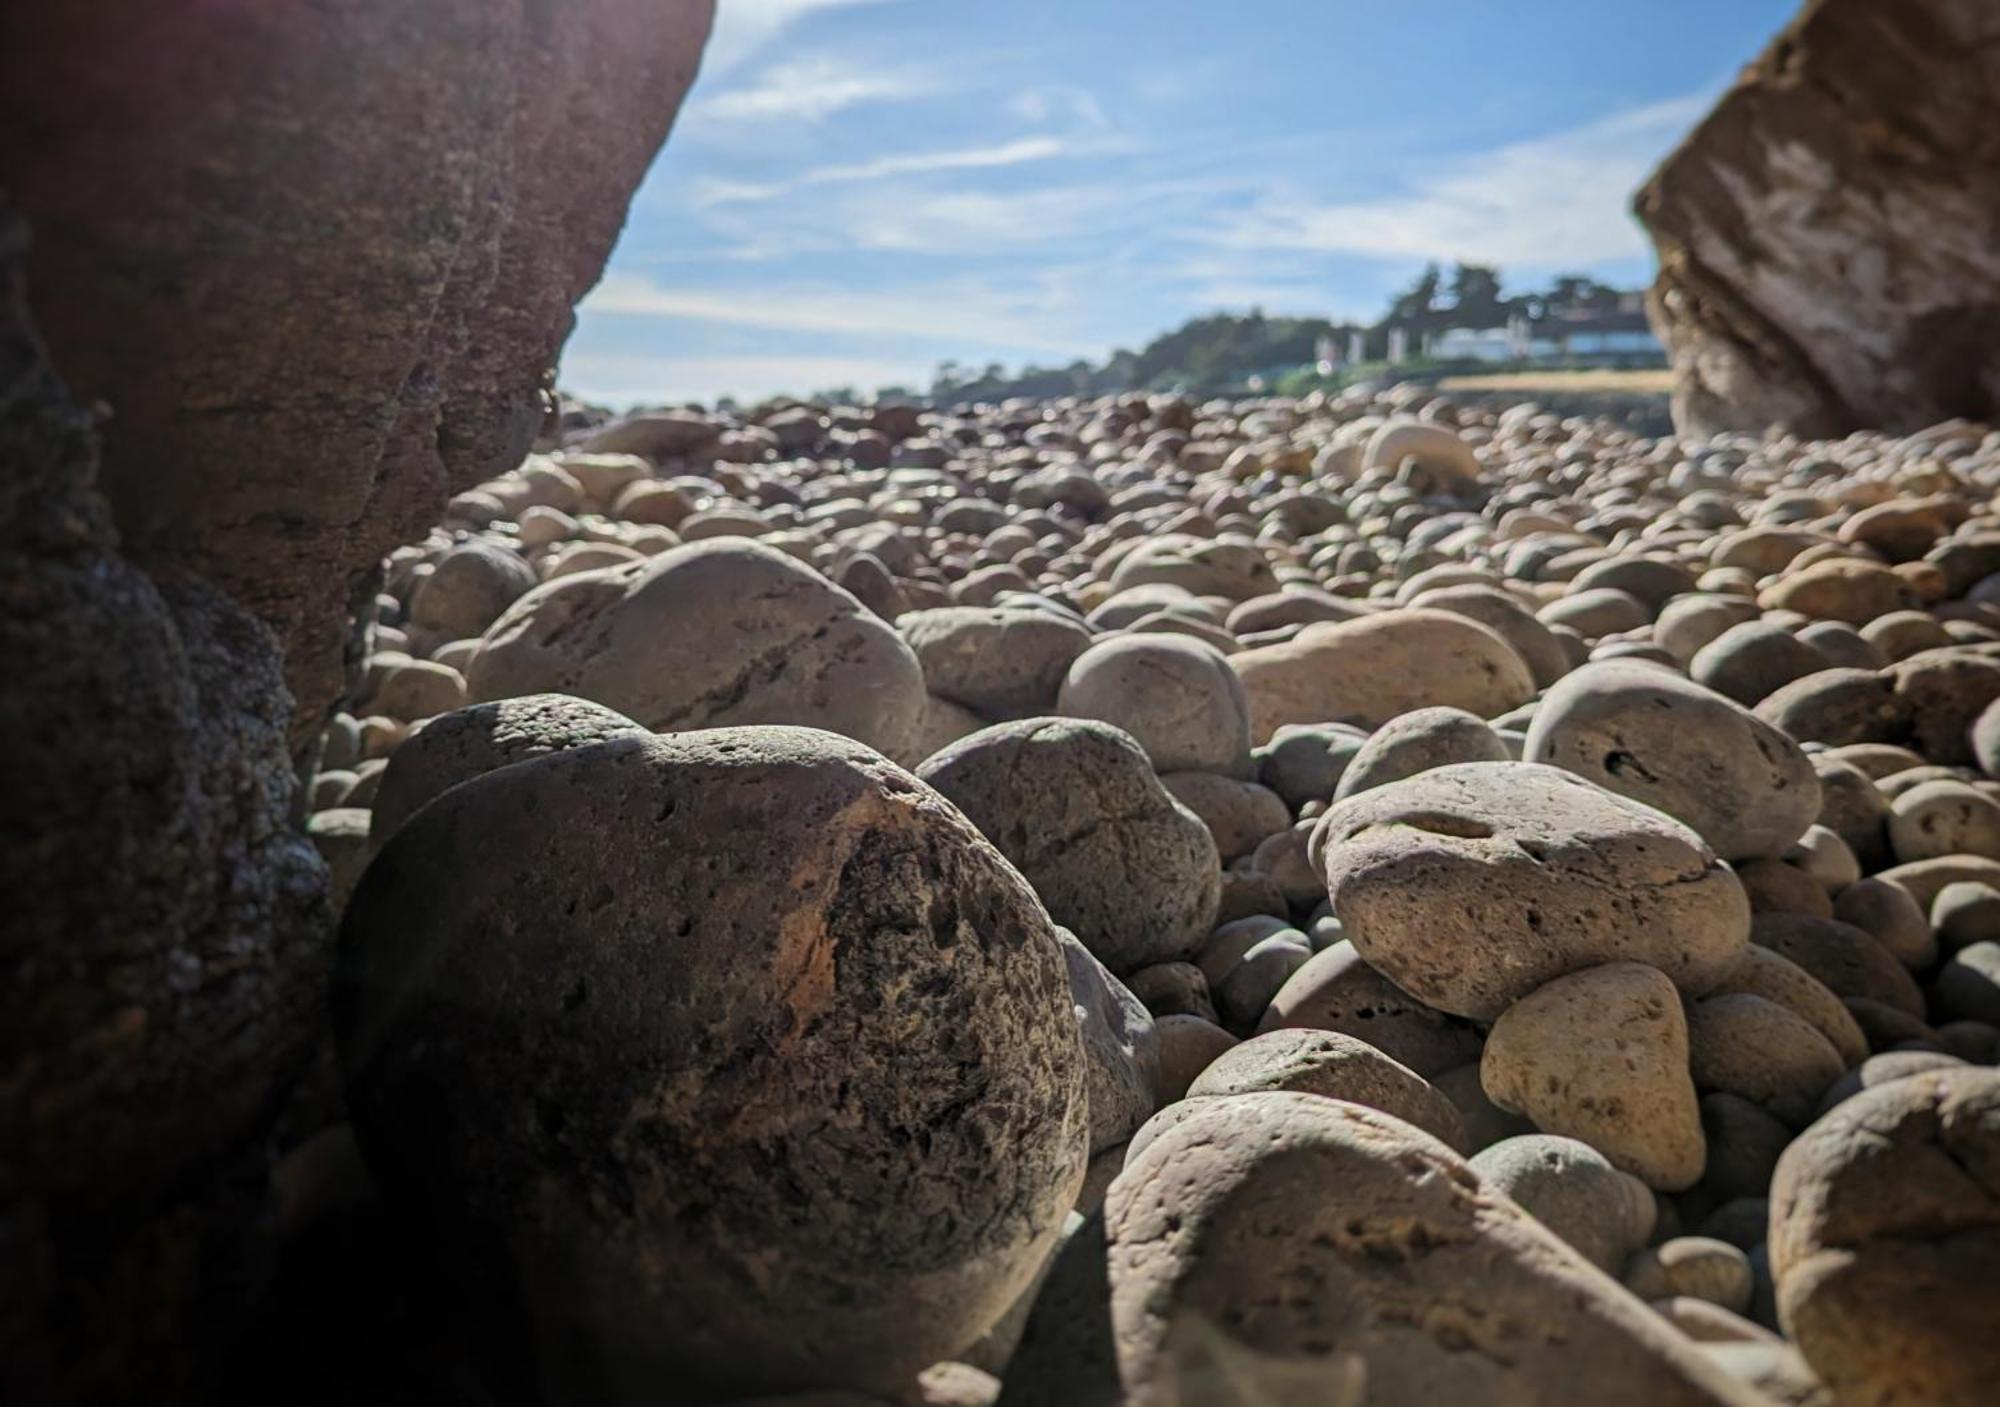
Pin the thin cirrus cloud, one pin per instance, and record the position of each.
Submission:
(1015, 153)
(1531, 204)
(744, 27)
(967, 310)
(812, 90)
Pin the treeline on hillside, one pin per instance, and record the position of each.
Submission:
(1224, 351)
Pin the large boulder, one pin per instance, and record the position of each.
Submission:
(758, 1059)
(166, 925)
(1828, 235)
(318, 261)
(325, 285)
(481, 738)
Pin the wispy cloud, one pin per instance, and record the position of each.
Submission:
(813, 89)
(1014, 153)
(958, 312)
(1537, 203)
(1059, 103)
(743, 27)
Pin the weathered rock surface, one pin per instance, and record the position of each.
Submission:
(164, 957)
(758, 1058)
(1827, 235)
(341, 264)
(1439, 1288)
(1885, 1241)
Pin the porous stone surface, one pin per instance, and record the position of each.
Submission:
(165, 957)
(463, 171)
(1418, 1262)
(1076, 807)
(1472, 885)
(774, 988)
(1885, 1233)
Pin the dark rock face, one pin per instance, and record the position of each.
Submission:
(317, 261)
(1827, 236)
(165, 949)
(320, 260)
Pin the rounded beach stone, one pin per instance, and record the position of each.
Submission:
(1370, 670)
(1238, 814)
(1337, 1067)
(469, 588)
(1075, 805)
(1643, 733)
(1744, 1044)
(1838, 707)
(1601, 1212)
(713, 634)
(1751, 661)
(1699, 1267)
(1839, 588)
(1172, 989)
(1602, 1055)
(1304, 762)
(1336, 991)
(1964, 913)
(1744, 1143)
(481, 738)
(1935, 819)
(340, 835)
(1887, 913)
(1436, 449)
(1416, 742)
(1776, 978)
(1000, 662)
(417, 689)
(1943, 692)
(1967, 986)
(1500, 613)
(1188, 1045)
(1235, 570)
(837, 1171)
(1841, 956)
(1410, 1259)
(1178, 697)
(1121, 1050)
(1854, 808)
(1885, 1241)
(1776, 885)
(1470, 886)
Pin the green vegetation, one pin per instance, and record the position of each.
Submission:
(1253, 351)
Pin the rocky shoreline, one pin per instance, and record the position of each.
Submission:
(1546, 862)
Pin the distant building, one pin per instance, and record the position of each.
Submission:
(1609, 328)
(1616, 334)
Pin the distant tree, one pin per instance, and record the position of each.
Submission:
(1416, 303)
(1475, 295)
(1580, 291)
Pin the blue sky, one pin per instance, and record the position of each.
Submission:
(857, 190)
